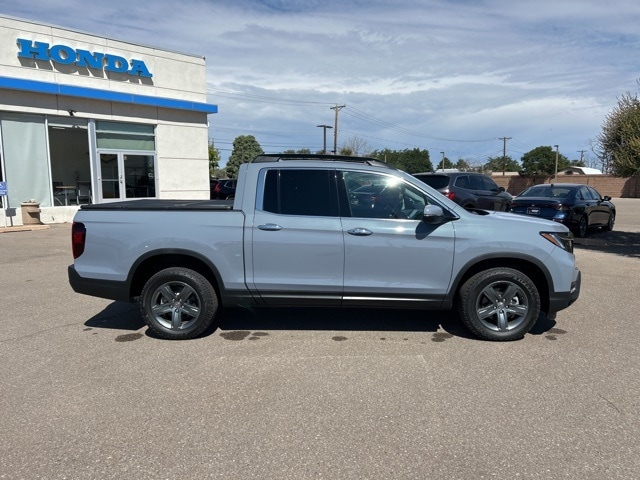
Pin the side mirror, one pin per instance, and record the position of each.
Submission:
(501, 189)
(606, 198)
(433, 215)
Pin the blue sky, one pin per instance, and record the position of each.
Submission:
(452, 76)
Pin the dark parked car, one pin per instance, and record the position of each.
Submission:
(469, 189)
(579, 207)
(223, 189)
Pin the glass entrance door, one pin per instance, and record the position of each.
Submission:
(125, 175)
(109, 177)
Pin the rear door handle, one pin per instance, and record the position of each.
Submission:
(359, 232)
(271, 227)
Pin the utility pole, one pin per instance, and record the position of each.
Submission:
(337, 108)
(442, 161)
(555, 177)
(581, 155)
(504, 153)
(324, 129)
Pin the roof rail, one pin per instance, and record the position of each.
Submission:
(280, 157)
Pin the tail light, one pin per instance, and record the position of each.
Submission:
(78, 236)
(562, 212)
(449, 194)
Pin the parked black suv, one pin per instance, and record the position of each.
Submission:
(469, 189)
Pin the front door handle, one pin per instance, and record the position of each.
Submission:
(359, 232)
(270, 227)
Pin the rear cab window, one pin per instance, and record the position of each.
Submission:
(434, 181)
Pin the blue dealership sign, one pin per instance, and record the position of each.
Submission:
(66, 55)
(3, 189)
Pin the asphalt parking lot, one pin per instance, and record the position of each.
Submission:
(85, 393)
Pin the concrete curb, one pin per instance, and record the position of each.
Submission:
(23, 228)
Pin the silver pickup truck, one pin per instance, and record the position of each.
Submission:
(323, 231)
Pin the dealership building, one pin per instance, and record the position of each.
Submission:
(89, 119)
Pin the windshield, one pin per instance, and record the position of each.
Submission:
(546, 191)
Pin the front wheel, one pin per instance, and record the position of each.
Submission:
(612, 219)
(499, 304)
(178, 303)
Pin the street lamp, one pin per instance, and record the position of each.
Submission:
(555, 176)
(324, 130)
(442, 161)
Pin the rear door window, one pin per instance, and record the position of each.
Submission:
(301, 192)
(476, 182)
(462, 181)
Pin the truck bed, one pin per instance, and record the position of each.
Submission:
(156, 204)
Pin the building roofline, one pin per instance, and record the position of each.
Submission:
(105, 95)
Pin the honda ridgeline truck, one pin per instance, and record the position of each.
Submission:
(313, 230)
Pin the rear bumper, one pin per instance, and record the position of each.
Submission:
(98, 288)
(561, 300)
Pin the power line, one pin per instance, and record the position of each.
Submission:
(376, 121)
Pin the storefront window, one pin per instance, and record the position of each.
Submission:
(48, 159)
(70, 162)
(24, 142)
(125, 136)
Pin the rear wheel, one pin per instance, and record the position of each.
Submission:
(178, 303)
(499, 304)
(582, 227)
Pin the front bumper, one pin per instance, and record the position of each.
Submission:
(561, 300)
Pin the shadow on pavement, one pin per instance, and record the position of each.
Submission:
(626, 244)
(126, 316)
(347, 319)
(119, 316)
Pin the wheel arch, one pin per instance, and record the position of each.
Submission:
(152, 262)
(528, 266)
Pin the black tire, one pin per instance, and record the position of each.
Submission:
(499, 304)
(583, 226)
(178, 303)
(612, 219)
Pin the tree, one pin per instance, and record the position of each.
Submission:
(502, 164)
(463, 165)
(444, 163)
(618, 145)
(411, 161)
(245, 149)
(214, 158)
(356, 146)
(542, 160)
(302, 150)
